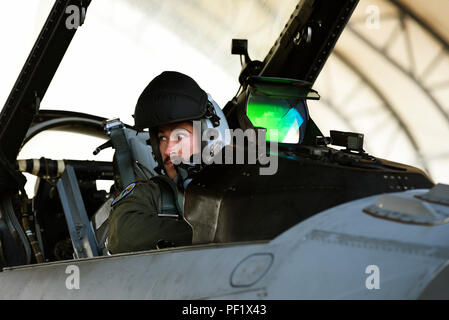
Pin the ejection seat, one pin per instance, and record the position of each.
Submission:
(133, 160)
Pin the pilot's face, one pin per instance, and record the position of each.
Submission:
(176, 140)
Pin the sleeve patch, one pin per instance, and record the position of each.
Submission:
(128, 190)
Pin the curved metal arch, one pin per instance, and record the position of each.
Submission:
(421, 23)
(332, 106)
(403, 12)
(388, 106)
(385, 103)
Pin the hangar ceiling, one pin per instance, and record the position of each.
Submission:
(404, 61)
(388, 76)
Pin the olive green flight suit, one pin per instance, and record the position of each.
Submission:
(136, 222)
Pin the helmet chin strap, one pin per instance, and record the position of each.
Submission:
(188, 170)
(155, 149)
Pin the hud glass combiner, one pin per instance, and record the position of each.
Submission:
(279, 117)
(279, 106)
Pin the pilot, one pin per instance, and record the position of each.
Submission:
(149, 214)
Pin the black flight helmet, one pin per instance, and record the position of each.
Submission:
(171, 97)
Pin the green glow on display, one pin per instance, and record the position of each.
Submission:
(275, 114)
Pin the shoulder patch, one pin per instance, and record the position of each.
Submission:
(129, 189)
